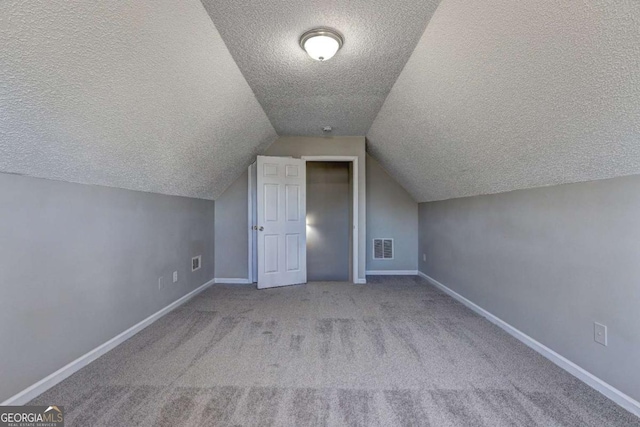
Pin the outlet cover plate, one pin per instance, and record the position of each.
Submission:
(175, 276)
(600, 333)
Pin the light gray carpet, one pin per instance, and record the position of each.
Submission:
(393, 352)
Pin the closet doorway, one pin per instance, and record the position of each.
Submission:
(328, 221)
(331, 220)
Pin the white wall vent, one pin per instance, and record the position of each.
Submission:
(382, 248)
(196, 263)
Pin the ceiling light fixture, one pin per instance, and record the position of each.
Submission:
(321, 43)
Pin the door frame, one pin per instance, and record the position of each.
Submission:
(253, 220)
(354, 221)
(251, 215)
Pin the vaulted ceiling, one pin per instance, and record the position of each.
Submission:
(301, 95)
(456, 99)
(137, 94)
(501, 95)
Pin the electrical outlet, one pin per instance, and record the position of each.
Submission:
(160, 283)
(175, 276)
(600, 333)
(424, 257)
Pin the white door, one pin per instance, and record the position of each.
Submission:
(282, 233)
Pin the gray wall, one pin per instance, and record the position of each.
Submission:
(79, 264)
(232, 231)
(391, 213)
(328, 221)
(549, 261)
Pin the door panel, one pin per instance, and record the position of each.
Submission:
(282, 256)
(293, 202)
(270, 253)
(293, 252)
(271, 203)
(270, 169)
(292, 170)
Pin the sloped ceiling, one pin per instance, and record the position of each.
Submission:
(497, 96)
(502, 95)
(138, 94)
(300, 95)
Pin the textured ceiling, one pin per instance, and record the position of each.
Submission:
(300, 95)
(502, 95)
(497, 96)
(138, 94)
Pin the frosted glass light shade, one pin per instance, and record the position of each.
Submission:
(321, 44)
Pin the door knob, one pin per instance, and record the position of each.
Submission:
(261, 228)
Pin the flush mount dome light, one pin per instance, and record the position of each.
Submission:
(321, 43)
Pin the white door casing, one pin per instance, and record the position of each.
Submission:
(253, 220)
(282, 239)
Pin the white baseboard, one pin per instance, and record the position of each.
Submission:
(392, 272)
(625, 401)
(46, 383)
(247, 282)
(232, 281)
